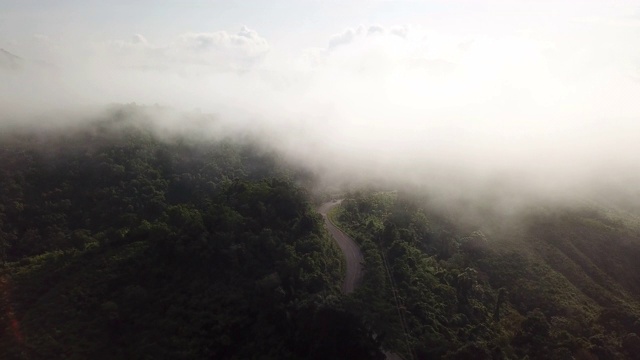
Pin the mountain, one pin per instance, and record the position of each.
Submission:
(121, 240)
(118, 244)
(558, 282)
(10, 61)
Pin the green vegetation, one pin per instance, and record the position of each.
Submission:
(120, 242)
(117, 245)
(556, 284)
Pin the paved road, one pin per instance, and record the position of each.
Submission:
(353, 255)
(349, 247)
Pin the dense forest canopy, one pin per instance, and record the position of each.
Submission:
(119, 244)
(122, 238)
(560, 283)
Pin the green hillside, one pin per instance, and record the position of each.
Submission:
(555, 283)
(121, 241)
(117, 244)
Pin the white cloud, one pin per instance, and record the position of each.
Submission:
(351, 35)
(401, 31)
(392, 102)
(345, 37)
(239, 51)
(139, 39)
(218, 50)
(375, 29)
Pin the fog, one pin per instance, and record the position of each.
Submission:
(535, 114)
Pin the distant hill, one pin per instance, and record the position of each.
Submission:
(9, 60)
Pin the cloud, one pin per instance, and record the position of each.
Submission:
(139, 39)
(377, 50)
(351, 35)
(218, 50)
(552, 113)
(465, 45)
(401, 31)
(629, 21)
(246, 42)
(375, 29)
(238, 51)
(345, 37)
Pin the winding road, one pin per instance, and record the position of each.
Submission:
(353, 255)
(349, 247)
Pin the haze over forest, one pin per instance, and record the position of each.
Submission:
(358, 179)
(538, 96)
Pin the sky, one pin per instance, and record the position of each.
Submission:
(536, 89)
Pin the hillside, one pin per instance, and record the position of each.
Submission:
(120, 244)
(557, 283)
(121, 239)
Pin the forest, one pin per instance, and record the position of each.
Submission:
(120, 241)
(561, 283)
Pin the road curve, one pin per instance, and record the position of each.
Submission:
(349, 247)
(353, 255)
